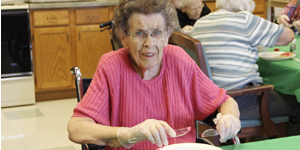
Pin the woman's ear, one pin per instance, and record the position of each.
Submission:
(124, 42)
(167, 40)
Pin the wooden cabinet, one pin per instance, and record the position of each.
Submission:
(50, 17)
(52, 50)
(260, 7)
(61, 39)
(91, 43)
(211, 5)
(52, 58)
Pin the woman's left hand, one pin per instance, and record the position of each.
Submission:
(228, 126)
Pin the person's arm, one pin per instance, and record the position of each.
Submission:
(286, 37)
(85, 130)
(227, 122)
(230, 107)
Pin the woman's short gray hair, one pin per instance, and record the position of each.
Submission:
(236, 5)
(184, 3)
(125, 8)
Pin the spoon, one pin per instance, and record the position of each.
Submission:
(213, 132)
(179, 132)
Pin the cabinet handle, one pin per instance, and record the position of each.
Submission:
(52, 18)
(79, 36)
(93, 16)
(67, 37)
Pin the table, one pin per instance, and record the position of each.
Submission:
(285, 74)
(285, 143)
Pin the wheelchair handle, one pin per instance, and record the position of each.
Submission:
(109, 23)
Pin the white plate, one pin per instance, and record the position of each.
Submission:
(272, 56)
(262, 49)
(190, 146)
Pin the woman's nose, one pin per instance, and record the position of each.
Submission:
(199, 11)
(150, 41)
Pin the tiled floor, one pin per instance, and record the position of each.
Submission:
(42, 126)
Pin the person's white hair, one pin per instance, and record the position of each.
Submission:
(236, 5)
(184, 3)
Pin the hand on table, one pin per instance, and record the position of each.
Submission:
(284, 20)
(187, 29)
(227, 125)
(153, 130)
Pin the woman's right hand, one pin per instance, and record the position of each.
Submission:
(187, 29)
(284, 20)
(153, 130)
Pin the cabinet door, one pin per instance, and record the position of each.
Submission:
(52, 50)
(260, 8)
(91, 44)
(211, 5)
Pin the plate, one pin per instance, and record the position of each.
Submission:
(262, 49)
(273, 56)
(190, 146)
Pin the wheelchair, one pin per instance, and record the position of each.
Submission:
(82, 85)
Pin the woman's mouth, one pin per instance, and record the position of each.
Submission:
(148, 54)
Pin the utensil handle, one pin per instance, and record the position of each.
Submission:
(236, 140)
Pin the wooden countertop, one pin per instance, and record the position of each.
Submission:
(73, 4)
(76, 4)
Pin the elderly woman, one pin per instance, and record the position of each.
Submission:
(142, 92)
(230, 36)
(188, 12)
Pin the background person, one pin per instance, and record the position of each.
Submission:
(189, 11)
(230, 36)
(283, 17)
(148, 88)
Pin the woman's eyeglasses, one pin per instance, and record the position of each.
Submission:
(198, 8)
(141, 35)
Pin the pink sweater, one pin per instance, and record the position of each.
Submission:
(180, 94)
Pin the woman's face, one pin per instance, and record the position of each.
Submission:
(146, 51)
(194, 9)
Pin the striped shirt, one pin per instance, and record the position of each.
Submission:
(179, 95)
(230, 41)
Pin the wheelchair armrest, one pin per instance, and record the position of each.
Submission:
(268, 127)
(93, 147)
(252, 90)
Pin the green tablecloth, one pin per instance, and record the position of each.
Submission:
(285, 74)
(285, 143)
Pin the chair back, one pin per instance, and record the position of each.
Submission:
(194, 48)
(265, 126)
(196, 51)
